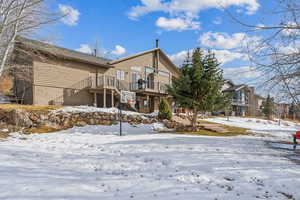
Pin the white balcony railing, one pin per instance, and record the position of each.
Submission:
(150, 86)
(111, 81)
(239, 102)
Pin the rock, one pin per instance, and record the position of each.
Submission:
(51, 125)
(92, 121)
(81, 123)
(106, 122)
(19, 117)
(33, 117)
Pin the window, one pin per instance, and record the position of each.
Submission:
(162, 73)
(135, 77)
(136, 68)
(149, 70)
(120, 75)
(135, 80)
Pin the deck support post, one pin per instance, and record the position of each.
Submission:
(95, 100)
(104, 98)
(112, 99)
(148, 103)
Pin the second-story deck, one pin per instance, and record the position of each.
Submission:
(111, 82)
(237, 102)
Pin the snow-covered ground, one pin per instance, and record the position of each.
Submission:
(259, 126)
(92, 163)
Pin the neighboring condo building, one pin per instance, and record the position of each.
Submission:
(244, 100)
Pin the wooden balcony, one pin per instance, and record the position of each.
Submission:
(149, 87)
(236, 102)
(111, 82)
(108, 82)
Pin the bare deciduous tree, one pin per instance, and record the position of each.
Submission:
(20, 17)
(277, 54)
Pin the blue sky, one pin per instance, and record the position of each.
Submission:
(125, 27)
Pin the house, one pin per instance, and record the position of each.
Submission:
(258, 103)
(59, 76)
(243, 100)
(282, 110)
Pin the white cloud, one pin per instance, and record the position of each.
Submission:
(240, 73)
(71, 15)
(146, 7)
(226, 41)
(189, 7)
(177, 24)
(85, 48)
(179, 57)
(119, 50)
(223, 56)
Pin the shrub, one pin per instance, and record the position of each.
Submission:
(164, 110)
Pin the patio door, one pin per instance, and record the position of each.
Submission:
(135, 78)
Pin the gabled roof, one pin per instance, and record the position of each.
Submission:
(62, 52)
(235, 88)
(229, 81)
(146, 52)
(259, 96)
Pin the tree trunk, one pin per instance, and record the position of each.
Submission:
(194, 119)
(12, 38)
(227, 114)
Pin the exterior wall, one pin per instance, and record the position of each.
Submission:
(62, 82)
(138, 64)
(282, 110)
(258, 101)
(43, 95)
(22, 75)
(243, 102)
(251, 102)
(126, 65)
(153, 104)
(164, 66)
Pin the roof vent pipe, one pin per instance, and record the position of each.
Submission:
(157, 43)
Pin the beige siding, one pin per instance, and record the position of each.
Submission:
(43, 95)
(61, 74)
(142, 61)
(164, 66)
(62, 82)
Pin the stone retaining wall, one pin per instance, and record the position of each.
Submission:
(19, 119)
(63, 120)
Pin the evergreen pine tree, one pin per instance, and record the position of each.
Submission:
(268, 107)
(199, 85)
(164, 110)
